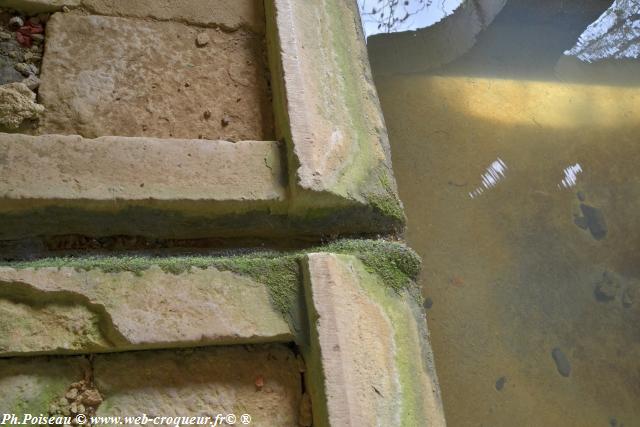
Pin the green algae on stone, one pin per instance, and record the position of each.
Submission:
(396, 264)
(280, 274)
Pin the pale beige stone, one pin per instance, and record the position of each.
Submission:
(330, 114)
(51, 310)
(202, 382)
(54, 184)
(38, 6)
(56, 167)
(121, 76)
(17, 104)
(369, 349)
(228, 14)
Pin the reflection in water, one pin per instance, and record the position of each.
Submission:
(533, 293)
(389, 16)
(533, 289)
(570, 176)
(495, 172)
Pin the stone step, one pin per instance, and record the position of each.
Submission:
(64, 310)
(53, 184)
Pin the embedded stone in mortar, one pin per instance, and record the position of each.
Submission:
(17, 104)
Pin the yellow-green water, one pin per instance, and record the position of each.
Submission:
(519, 269)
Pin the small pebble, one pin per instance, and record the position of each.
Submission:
(562, 363)
(16, 22)
(207, 114)
(202, 39)
(259, 382)
(23, 68)
(500, 383)
(32, 82)
(428, 303)
(71, 394)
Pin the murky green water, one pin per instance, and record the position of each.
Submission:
(523, 198)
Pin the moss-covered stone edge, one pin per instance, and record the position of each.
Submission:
(395, 263)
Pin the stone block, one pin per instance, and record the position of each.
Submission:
(129, 77)
(56, 184)
(369, 359)
(262, 381)
(51, 310)
(328, 112)
(203, 382)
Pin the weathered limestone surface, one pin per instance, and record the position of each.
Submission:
(28, 386)
(120, 76)
(38, 6)
(370, 359)
(113, 176)
(164, 383)
(228, 14)
(17, 104)
(203, 382)
(63, 310)
(328, 110)
(429, 48)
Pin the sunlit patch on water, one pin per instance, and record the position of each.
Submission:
(570, 176)
(495, 172)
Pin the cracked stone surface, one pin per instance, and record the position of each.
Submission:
(51, 310)
(131, 77)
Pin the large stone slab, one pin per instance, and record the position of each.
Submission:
(130, 77)
(328, 112)
(51, 310)
(55, 184)
(203, 382)
(369, 359)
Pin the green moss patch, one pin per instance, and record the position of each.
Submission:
(397, 265)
